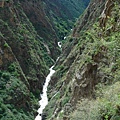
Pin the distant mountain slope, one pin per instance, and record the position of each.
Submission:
(63, 13)
(53, 19)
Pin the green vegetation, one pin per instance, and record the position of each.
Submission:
(12, 93)
(24, 63)
(90, 84)
(24, 57)
(64, 24)
(106, 106)
(87, 77)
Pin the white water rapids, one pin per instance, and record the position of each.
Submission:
(44, 99)
(59, 44)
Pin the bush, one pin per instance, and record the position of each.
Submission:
(6, 76)
(6, 45)
(12, 68)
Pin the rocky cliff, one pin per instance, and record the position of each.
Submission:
(86, 83)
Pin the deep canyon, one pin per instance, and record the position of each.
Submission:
(84, 34)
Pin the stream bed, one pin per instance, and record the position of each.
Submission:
(44, 99)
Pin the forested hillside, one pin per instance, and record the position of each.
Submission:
(86, 82)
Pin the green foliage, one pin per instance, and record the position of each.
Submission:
(65, 100)
(13, 114)
(50, 108)
(64, 19)
(6, 76)
(1, 35)
(101, 47)
(63, 70)
(12, 91)
(12, 68)
(105, 107)
(6, 45)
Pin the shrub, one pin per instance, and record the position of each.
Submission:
(105, 107)
(6, 76)
(6, 45)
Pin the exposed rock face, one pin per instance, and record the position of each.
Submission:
(106, 13)
(91, 14)
(87, 61)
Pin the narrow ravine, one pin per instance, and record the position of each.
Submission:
(44, 99)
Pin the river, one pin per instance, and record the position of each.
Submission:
(44, 99)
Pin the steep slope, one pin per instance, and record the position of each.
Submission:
(86, 82)
(28, 37)
(23, 64)
(62, 16)
(15, 95)
(36, 14)
(53, 19)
